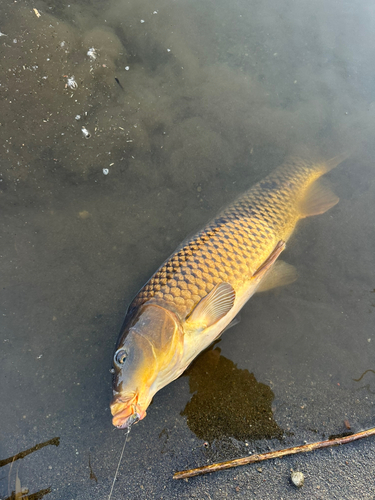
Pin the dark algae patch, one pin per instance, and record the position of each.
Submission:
(228, 402)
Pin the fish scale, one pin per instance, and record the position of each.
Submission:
(236, 243)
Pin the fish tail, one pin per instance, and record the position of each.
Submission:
(334, 162)
(318, 198)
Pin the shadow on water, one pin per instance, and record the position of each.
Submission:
(228, 402)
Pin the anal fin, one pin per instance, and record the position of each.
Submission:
(280, 274)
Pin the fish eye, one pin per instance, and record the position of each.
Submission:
(120, 356)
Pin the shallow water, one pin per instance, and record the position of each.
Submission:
(210, 97)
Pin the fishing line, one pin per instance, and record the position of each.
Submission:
(119, 462)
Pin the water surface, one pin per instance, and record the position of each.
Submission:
(187, 104)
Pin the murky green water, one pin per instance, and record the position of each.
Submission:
(187, 104)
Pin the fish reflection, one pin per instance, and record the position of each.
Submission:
(228, 401)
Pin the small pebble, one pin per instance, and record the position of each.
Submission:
(105, 171)
(297, 478)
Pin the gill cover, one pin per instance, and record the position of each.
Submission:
(148, 353)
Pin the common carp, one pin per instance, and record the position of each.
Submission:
(199, 290)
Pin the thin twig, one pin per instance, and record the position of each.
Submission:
(55, 441)
(273, 454)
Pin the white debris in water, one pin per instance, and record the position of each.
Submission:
(14, 40)
(142, 20)
(71, 82)
(3, 34)
(105, 171)
(168, 50)
(127, 68)
(155, 12)
(78, 117)
(86, 133)
(297, 478)
(62, 44)
(92, 53)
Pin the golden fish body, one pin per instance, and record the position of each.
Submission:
(198, 291)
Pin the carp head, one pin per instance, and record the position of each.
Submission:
(146, 359)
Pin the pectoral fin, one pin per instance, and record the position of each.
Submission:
(318, 199)
(280, 274)
(213, 306)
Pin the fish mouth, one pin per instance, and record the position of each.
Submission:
(126, 413)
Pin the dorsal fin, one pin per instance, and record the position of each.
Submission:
(213, 306)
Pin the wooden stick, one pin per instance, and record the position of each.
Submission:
(272, 454)
(22, 454)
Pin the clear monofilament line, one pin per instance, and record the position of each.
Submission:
(119, 462)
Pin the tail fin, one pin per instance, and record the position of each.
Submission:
(333, 162)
